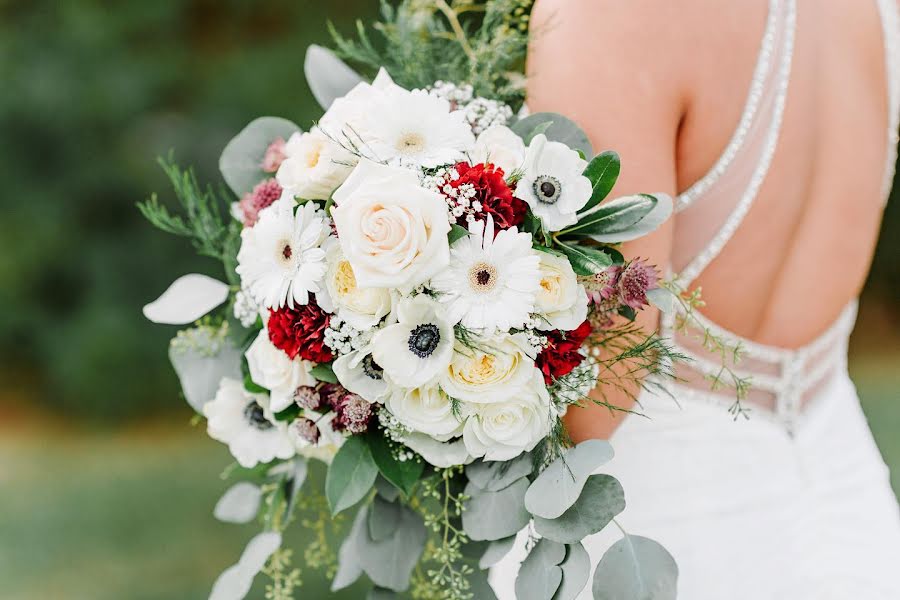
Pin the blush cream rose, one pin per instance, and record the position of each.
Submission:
(393, 231)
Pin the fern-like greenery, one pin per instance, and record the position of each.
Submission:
(479, 42)
(204, 219)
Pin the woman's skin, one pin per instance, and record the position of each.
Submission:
(664, 84)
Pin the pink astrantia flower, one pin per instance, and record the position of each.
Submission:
(352, 413)
(274, 156)
(605, 284)
(306, 430)
(636, 279)
(263, 195)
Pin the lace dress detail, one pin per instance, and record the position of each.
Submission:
(781, 379)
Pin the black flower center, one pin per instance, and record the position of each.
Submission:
(371, 368)
(483, 277)
(547, 189)
(424, 339)
(286, 252)
(255, 416)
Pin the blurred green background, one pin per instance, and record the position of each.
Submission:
(106, 490)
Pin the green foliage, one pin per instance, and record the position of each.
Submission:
(404, 472)
(602, 171)
(479, 42)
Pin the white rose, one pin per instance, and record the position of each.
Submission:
(561, 301)
(363, 308)
(442, 455)
(392, 230)
(425, 410)
(272, 369)
(503, 430)
(499, 145)
(314, 166)
(491, 371)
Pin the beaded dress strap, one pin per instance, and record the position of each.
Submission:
(782, 78)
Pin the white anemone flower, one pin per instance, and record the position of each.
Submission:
(280, 261)
(418, 348)
(242, 420)
(491, 282)
(359, 373)
(416, 128)
(553, 184)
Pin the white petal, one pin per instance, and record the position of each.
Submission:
(186, 300)
(235, 582)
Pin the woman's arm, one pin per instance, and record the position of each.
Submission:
(610, 65)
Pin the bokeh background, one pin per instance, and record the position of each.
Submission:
(106, 489)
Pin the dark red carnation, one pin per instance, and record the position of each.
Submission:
(561, 354)
(300, 332)
(492, 193)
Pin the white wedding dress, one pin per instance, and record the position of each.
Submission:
(793, 503)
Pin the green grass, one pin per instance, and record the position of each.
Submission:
(100, 516)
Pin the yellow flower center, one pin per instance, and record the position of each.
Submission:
(344, 279)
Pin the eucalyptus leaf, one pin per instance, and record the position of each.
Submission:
(389, 563)
(586, 260)
(324, 372)
(457, 232)
(603, 172)
(650, 223)
(328, 77)
(576, 570)
(241, 161)
(540, 576)
(235, 582)
(601, 500)
(636, 568)
(613, 217)
(495, 552)
(297, 477)
(349, 569)
(495, 515)
(481, 587)
(560, 484)
(493, 475)
(199, 371)
(402, 473)
(561, 129)
(239, 504)
(662, 299)
(383, 518)
(386, 489)
(351, 475)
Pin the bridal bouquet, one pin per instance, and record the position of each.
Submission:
(418, 287)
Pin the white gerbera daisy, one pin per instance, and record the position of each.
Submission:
(417, 349)
(553, 184)
(280, 261)
(416, 128)
(243, 421)
(491, 282)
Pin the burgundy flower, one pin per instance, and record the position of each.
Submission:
(636, 280)
(300, 332)
(492, 193)
(263, 195)
(352, 413)
(306, 430)
(274, 156)
(561, 354)
(308, 397)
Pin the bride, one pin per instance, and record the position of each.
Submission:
(774, 123)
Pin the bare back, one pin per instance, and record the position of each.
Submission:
(804, 248)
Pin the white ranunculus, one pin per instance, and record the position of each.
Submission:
(314, 166)
(561, 301)
(426, 410)
(244, 422)
(392, 230)
(362, 307)
(272, 369)
(491, 370)
(417, 349)
(553, 184)
(500, 146)
(503, 430)
(358, 372)
(442, 455)
(345, 118)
